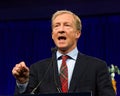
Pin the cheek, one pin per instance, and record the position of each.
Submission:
(54, 36)
(71, 36)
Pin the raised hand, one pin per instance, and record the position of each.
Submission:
(21, 72)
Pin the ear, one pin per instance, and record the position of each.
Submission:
(78, 34)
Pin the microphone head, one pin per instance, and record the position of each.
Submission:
(53, 49)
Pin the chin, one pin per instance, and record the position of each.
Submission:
(62, 48)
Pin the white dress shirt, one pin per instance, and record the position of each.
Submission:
(70, 62)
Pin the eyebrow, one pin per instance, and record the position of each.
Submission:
(64, 23)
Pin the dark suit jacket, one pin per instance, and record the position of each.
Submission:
(90, 74)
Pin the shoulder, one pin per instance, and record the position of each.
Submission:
(92, 61)
(42, 63)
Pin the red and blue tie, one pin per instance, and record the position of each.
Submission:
(64, 75)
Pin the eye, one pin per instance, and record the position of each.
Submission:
(67, 24)
(56, 25)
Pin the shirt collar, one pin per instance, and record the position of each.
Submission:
(73, 54)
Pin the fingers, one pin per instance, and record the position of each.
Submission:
(20, 69)
(23, 66)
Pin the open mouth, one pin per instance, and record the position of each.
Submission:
(61, 38)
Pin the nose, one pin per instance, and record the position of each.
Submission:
(61, 32)
(61, 29)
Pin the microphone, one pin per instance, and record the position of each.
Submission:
(53, 50)
(53, 54)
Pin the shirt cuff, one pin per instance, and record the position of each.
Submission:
(22, 87)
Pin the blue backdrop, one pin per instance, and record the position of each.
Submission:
(30, 41)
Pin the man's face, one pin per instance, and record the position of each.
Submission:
(64, 32)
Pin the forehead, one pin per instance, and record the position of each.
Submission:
(63, 18)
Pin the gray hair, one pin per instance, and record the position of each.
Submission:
(76, 18)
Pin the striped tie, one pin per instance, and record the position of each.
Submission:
(64, 75)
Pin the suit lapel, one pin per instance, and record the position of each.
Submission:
(77, 72)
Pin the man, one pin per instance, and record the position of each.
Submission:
(85, 73)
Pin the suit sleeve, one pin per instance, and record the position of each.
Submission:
(104, 83)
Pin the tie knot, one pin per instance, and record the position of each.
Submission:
(64, 57)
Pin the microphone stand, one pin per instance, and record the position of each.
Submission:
(53, 56)
(52, 61)
(33, 91)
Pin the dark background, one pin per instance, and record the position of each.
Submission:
(25, 33)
